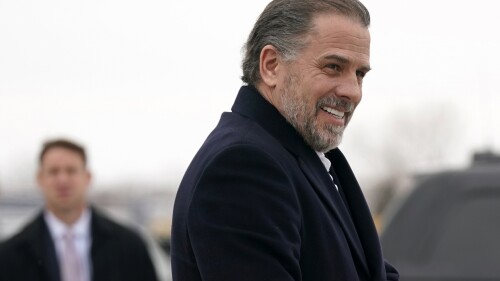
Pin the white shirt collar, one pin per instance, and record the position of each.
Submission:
(328, 164)
(324, 160)
(57, 228)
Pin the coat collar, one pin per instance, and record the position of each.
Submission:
(251, 104)
(40, 247)
(100, 227)
(102, 234)
(38, 242)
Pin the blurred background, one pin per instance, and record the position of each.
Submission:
(142, 83)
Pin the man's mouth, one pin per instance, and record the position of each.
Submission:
(337, 114)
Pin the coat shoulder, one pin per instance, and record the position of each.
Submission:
(17, 250)
(103, 225)
(236, 131)
(28, 232)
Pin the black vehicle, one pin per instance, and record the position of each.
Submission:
(448, 228)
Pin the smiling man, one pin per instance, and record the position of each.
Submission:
(70, 240)
(269, 196)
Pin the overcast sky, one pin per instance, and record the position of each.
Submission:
(142, 83)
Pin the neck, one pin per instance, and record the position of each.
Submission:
(266, 93)
(68, 216)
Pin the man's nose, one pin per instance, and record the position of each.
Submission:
(62, 176)
(349, 88)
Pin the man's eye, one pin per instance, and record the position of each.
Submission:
(71, 170)
(335, 67)
(53, 172)
(360, 74)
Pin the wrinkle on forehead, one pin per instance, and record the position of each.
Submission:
(362, 49)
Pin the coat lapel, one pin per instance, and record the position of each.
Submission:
(322, 183)
(42, 249)
(101, 234)
(364, 224)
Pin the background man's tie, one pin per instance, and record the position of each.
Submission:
(71, 267)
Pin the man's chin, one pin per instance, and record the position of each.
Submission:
(321, 137)
(65, 207)
(329, 143)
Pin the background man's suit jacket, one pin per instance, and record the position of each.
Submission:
(117, 253)
(256, 203)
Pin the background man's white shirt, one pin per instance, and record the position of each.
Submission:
(82, 239)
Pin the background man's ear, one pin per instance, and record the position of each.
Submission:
(89, 175)
(269, 65)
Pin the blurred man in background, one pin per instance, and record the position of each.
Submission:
(269, 196)
(70, 240)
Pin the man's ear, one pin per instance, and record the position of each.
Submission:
(39, 177)
(88, 175)
(269, 65)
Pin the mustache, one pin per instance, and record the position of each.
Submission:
(339, 103)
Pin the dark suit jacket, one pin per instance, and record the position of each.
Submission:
(117, 253)
(257, 204)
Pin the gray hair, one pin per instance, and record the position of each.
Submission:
(283, 24)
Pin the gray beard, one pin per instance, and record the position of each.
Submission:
(321, 138)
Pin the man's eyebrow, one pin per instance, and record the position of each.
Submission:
(344, 60)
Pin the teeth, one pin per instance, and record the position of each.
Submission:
(334, 112)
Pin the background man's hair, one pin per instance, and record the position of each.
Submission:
(284, 24)
(66, 144)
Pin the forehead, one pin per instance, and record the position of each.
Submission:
(338, 34)
(60, 155)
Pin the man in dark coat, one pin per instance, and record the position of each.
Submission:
(69, 240)
(269, 196)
